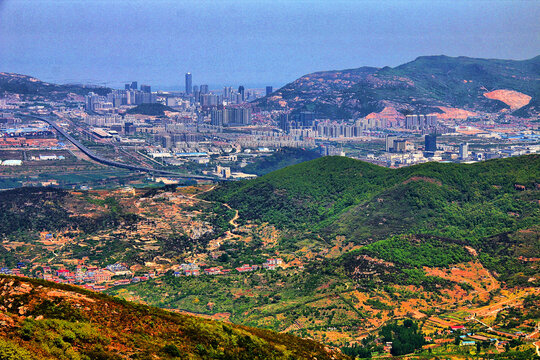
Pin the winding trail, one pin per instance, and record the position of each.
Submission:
(233, 220)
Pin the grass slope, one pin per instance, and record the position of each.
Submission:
(50, 321)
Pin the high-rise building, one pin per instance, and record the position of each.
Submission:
(305, 118)
(284, 123)
(430, 142)
(204, 89)
(400, 145)
(216, 117)
(418, 122)
(241, 91)
(134, 85)
(231, 117)
(269, 90)
(148, 98)
(129, 128)
(463, 151)
(189, 85)
(146, 88)
(92, 101)
(208, 99)
(227, 92)
(127, 86)
(390, 142)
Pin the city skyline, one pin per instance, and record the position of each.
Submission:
(246, 43)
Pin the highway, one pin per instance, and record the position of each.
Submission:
(105, 161)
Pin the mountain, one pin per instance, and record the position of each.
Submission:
(43, 320)
(366, 252)
(28, 86)
(361, 201)
(429, 84)
(368, 249)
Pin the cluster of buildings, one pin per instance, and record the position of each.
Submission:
(131, 95)
(91, 277)
(207, 98)
(231, 116)
(195, 270)
(204, 120)
(405, 151)
(324, 128)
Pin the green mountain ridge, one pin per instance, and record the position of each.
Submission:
(342, 196)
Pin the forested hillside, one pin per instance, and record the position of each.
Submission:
(342, 196)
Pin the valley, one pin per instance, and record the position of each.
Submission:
(452, 248)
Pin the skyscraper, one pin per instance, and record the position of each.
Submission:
(463, 151)
(146, 88)
(269, 90)
(227, 91)
(189, 86)
(241, 91)
(204, 89)
(134, 85)
(431, 142)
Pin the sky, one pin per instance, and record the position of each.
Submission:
(250, 42)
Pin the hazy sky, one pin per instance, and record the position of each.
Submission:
(251, 42)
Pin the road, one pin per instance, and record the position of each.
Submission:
(105, 161)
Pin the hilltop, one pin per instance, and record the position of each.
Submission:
(429, 84)
(150, 109)
(28, 86)
(362, 201)
(46, 320)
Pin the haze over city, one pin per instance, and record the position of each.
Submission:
(269, 179)
(254, 43)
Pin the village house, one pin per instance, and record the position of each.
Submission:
(272, 264)
(214, 270)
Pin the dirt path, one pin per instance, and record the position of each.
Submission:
(235, 217)
(202, 192)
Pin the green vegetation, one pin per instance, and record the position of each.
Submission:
(150, 109)
(282, 158)
(365, 240)
(13, 351)
(405, 338)
(415, 251)
(302, 194)
(341, 196)
(28, 86)
(501, 254)
(38, 209)
(110, 328)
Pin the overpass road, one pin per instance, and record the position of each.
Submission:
(117, 164)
